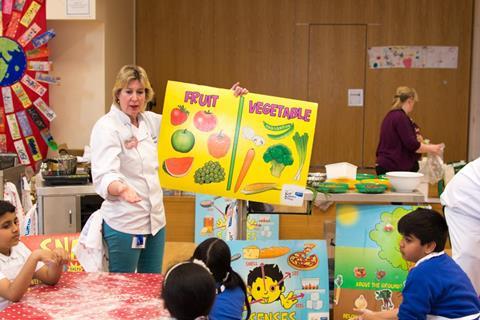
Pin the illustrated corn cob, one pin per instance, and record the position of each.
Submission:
(259, 187)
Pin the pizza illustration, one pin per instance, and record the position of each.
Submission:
(303, 260)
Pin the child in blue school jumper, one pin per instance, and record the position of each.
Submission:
(436, 287)
(231, 290)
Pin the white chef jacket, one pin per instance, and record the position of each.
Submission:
(135, 166)
(10, 266)
(462, 193)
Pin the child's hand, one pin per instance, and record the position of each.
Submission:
(60, 256)
(237, 90)
(365, 314)
(50, 257)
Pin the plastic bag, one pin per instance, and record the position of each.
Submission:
(433, 168)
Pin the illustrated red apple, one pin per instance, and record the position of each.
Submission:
(381, 274)
(359, 272)
(178, 115)
(218, 144)
(388, 227)
(205, 121)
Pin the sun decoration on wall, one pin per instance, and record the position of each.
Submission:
(25, 114)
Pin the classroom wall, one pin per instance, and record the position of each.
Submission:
(316, 50)
(87, 53)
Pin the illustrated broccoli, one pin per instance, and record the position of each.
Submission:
(280, 156)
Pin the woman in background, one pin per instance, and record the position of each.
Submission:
(401, 144)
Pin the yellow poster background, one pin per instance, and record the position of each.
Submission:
(235, 133)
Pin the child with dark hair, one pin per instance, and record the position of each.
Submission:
(189, 291)
(231, 290)
(18, 265)
(436, 287)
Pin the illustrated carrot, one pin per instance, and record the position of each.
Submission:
(247, 161)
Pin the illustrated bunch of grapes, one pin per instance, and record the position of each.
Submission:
(211, 172)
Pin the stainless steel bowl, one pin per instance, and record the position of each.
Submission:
(64, 164)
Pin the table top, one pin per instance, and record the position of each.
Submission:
(351, 196)
(82, 295)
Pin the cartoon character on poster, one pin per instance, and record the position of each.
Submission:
(265, 285)
(369, 268)
(286, 279)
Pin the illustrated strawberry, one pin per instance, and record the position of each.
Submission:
(178, 115)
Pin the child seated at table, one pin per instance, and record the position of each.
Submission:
(189, 291)
(18, 265)
(231, 290)
(436, 287)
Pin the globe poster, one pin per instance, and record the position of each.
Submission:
(253, 147)
(369, 269)
(286, 279)
(24, 80)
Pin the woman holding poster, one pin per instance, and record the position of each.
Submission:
(125, 174)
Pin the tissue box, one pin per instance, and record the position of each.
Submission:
(341, 170)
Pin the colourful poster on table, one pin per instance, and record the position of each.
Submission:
(286, 279)
(253, 147)
(218, 217)
(369, 269)
(65, 241)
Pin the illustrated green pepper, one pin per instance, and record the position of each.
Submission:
(282, 135)
(279, 127)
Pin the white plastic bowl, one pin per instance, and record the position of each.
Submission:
(404, 181)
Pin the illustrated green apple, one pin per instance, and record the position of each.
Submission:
(183, 140)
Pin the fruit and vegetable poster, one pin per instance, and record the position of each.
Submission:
(217, 216)
(286, 279)
(369, 269)
(253, 147)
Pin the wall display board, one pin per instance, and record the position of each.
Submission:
(24, 79)
(254, 147)
(217, 216)
(413, 57)
(286, 279)
(369, 269)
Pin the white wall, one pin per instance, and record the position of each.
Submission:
(87, 54)
(78, 54)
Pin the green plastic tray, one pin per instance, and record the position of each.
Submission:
(370, 187)
(363, 176)
(332, 187)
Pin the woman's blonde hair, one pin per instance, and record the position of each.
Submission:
(402, 95)
(128, 73)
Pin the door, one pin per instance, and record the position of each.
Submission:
(337, 56)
